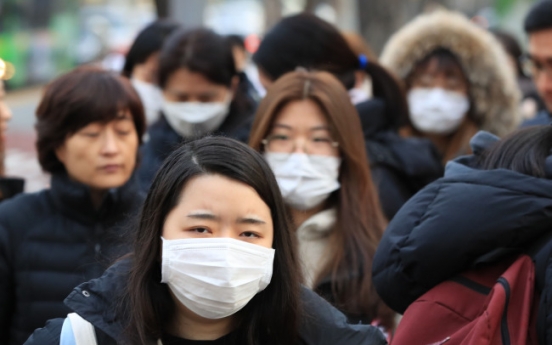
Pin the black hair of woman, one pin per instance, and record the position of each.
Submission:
(203, 51)
(272, 316)
(149, 41)
(305, 40)
(524, 151)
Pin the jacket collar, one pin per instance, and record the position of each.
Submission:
(318, 226)
(74, 199)
(96, 300)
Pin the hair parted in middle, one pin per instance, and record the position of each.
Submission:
(272, 316)
(360, 220)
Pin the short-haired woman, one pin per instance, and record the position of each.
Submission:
(89, 125)
(201, 96)
(310, 134)
(207, 269)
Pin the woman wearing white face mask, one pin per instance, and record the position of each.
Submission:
(207, 270)
(311, 137)
(199, 81)
(142, 65)
(458, 81)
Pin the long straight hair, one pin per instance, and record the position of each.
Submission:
(360, 220)
(272, 316)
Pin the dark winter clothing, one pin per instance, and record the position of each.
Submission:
(400, 166)
(10, 187)
(50, 242)
(542, 118)
(452, 223)
(162, 139)
(95, 301)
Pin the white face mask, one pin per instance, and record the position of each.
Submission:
(436, 110)
(152, 99)
(305, 181)
(215, 277)
(194, 118)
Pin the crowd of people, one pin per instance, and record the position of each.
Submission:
(189, 205)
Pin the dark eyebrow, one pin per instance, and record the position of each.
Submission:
(547, 60)
(252, 221)
(204, 216)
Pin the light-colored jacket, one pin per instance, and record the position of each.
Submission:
(314, 237)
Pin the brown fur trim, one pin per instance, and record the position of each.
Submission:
(493, 88)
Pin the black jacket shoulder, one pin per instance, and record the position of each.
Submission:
(322, 324)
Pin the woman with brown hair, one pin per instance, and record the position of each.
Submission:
(311, 136)
(400, 166)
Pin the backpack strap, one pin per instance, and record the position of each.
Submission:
(77, 331)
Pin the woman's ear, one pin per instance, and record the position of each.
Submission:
(234, 84)
(61, 153)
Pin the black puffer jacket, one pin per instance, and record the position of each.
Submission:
(50, 242)
(452, 223)
(95, 301)
(542, 118)
(162, 139)
(400, 166)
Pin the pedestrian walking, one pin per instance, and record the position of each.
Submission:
(458, 81)
(489, 206)
(142, 65)
(89, 125)
(309, 133)
(400, 167)
(201, 96)
(538, 27)
(206, 269)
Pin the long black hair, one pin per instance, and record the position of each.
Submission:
(272, 316)
(305, 40)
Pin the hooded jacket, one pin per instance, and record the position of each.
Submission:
(50, 242)
(457, 220)
(96, 302)
(493, 89)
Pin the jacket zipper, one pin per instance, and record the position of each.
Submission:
(504, 323)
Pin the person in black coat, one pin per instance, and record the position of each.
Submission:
(495, 202)
(201, 96)
(400, 166)
(207, 269)
(89, 125)
(538, 27)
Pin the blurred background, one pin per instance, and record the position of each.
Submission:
(41, 39)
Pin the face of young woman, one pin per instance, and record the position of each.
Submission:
(101, 155)
(215, 206)
(184, 85)
(301, 127)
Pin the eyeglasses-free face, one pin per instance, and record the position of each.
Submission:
(301, 127)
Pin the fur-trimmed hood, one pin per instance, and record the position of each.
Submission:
(493, 88)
